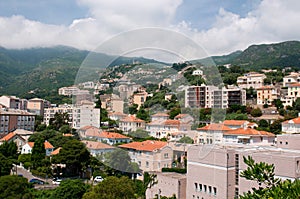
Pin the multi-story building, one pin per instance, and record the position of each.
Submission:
(251, 79)
(168, 184)
(112, 103)
(266, 95)
(214, 170)
(85, 114)
(139, 98)
(12, 119)
(64, 108)
(71, 90)
(131, 124)
(150, 155)
(12, 102)
(211, 134)
(291, 78)
(37, 106)
(213, 97)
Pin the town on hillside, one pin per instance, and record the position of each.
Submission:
(176, 132)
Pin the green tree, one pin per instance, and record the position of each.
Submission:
(143, 114)
(75, 155)
(133, 109)
(14, 187)
(112, 188)
(9, 150)
(38, 153)
(5, 165)
(256, 112)
(59, 120)
(275, 127)
(174, 112)
(70, 189)
(278, 104)
(186, 139)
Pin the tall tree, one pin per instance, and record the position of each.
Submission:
(70, 189)
(14, 187)
(38, 153)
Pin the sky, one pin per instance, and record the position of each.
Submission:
(218, 26)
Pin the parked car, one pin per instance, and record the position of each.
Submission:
(56, 181)
(98, 179)
(36, 181)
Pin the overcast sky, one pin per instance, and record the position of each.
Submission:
(220, 26)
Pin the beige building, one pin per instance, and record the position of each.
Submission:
(168, 184)
(251, 79)
(37, 106)
(131, 124)
(210, 134)
(266, 95)
(214, 171)
(112, 103)
(139, 98)
(150, 155)
(291, 126)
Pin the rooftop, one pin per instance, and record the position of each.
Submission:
(249, 131)
(148, 145)
(214, 127)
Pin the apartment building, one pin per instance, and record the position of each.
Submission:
(150, 155)
(139, 98)
(63, 108)
(13, 102)
(12, 119)
(214, 171)
(251, 79)
(291, 78)
(71, 90)
(213, 97)
(112, 103)
(37, 106)
(267, 94)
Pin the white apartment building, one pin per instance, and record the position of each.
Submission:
(291, 78)
(213, 97)
(72, 90)
(13, 102)
(251, 79)
(80, 115)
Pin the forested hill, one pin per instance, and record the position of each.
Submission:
(264, 56)
(46, 69)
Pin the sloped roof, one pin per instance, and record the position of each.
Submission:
(234, 122)
(112, 135)
(96, 145)
(148, 145)
(215, 127)
(249, 131)
(56, 151)
(47, 145)
(131, 118)
(161, 115)
(295, 121)
(181, 116)
(8, 137)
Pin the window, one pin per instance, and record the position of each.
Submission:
(147, 164)
(200, 187)
(215, 191)
(209, 189)
(205, 188)
(286, 143)
(166, 155)
(196, 186)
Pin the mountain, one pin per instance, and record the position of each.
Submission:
(47, 69)
(264, 56)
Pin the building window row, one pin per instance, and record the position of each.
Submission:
(205, 188)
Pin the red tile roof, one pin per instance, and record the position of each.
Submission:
(172, 122)
(148, 145)
(234, 122)
(248, 131)
(295, 121)
(56, 151)
(214, 127)
(294, 85)
(180, 116)
(8, 137)
(131, 118)
(96, 145)
(112, 135)
(47, 145)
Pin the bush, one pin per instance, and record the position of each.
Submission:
(256, 112)
(176, 170)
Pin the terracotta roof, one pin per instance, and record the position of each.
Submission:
(265, 88)
(86, 128)
(47, 145)
(148, 145)
(234, 122)
(295, 121)
(131, 118)
(92, 132)
(8, 137)
(172, 122)
(112, 135)
(248, 131)
(294, 85)
(56, 151)
(215, 127)
(96, 145)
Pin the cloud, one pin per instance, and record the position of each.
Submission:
(271, 21)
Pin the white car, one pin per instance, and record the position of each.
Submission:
(98, 179)
(57, 181)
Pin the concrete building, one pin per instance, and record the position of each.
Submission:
(213, 97)
(214, 171)
(64, 108)
(112, 103)
(150, 155)
(85, 114)
(291, 78)
(12, 119)
(266, 95)
(37, 106)
(168, 184)
(139, 98)
(13, 102)
(251, 79)
(159, 116)
(211, 134)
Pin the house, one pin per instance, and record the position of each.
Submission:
(164, 128)
(266, 95)
(131, 123)
(251, 79)
(139, 98)
(150, 155)
(291, 78)
(159, 116)
(291, 126)
(186, 118)
(168, 184)
(56, 151)
(288, 141)
(116, 116)
(16, 138)
(97, 148)
(248, 136)
(27, 148)
(211, 133)
(89, 132)
(112, 138)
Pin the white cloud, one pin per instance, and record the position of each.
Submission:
(271, 21)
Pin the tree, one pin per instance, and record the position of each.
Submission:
(268, 186)
(186, 139)
(143, 114)
(278, 104)
(256, 112)
(38, 153)
(75, 155)
(112, 188)
(14, 187)
(133, 109)
(5, 165)
(70, 189)
(9, 150)
(263, 123)
(275, 127)
(59, 120)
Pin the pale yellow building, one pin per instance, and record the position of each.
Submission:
(266, 95)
